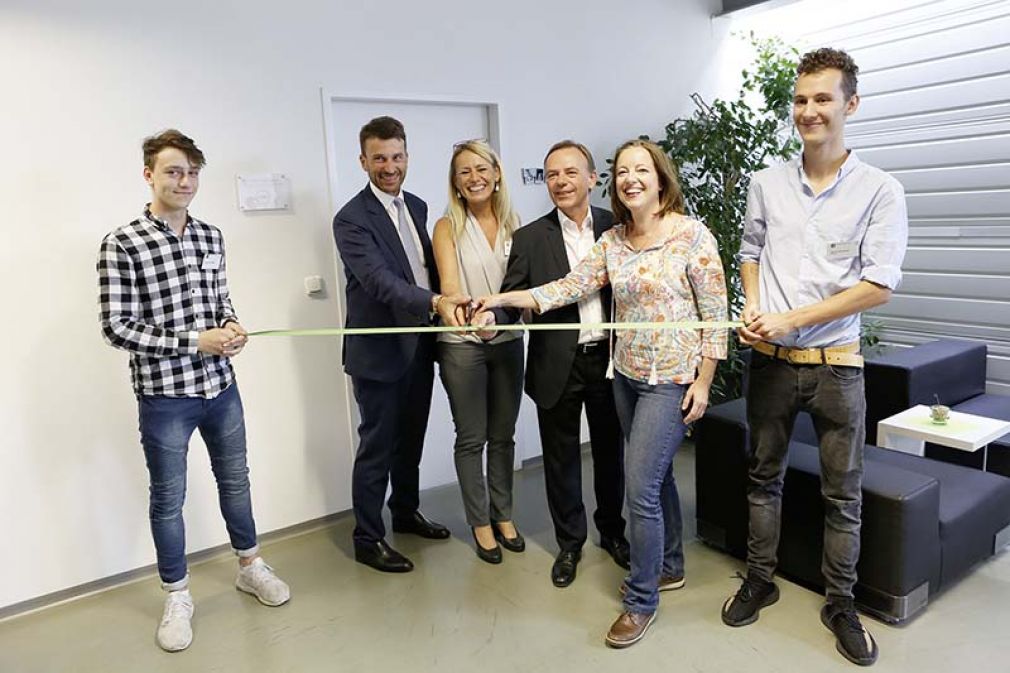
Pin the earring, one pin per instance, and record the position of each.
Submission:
(459, 195)
(496, 186)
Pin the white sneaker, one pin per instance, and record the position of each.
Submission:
(175, 631)
(259, 579)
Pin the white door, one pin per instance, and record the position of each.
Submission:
(432, 130)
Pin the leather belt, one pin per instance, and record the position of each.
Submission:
(590, 346)
(846, 355)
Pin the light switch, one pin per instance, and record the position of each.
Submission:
(313, 285)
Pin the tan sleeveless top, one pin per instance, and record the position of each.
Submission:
(481, 271)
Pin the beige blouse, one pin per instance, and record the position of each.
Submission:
(481, 270)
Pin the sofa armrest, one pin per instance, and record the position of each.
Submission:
(900, 535)
(901, 528)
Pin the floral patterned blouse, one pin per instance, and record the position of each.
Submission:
(680, 278)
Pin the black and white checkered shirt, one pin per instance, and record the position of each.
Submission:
(157, 292)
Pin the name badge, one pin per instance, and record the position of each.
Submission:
(843, 249)
(211, 262)
(508, 248)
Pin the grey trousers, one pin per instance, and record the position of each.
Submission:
(834, 398)
(484, 383)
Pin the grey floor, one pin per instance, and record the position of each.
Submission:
(455, 613)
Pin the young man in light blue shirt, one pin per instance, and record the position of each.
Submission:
(824, 238)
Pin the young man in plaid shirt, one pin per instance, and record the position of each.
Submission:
(164, 298)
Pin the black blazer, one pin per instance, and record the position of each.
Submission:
(380, 286)
(538, 256)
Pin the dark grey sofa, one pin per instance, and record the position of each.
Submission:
(952, 370)
(925, 522)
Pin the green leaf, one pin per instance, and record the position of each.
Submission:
(717, 149)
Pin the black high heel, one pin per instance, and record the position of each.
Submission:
(513, 544)
(486, 555)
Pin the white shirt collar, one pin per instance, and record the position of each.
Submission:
(568, 223)
(850, 164)
(385, 199)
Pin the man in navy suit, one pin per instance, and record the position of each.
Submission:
(391, 282)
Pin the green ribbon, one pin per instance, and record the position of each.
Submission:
(517, 327)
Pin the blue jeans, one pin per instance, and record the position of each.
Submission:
(653, 428)
(166, 424)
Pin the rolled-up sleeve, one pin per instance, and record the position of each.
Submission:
(883, 247)
(754, 226)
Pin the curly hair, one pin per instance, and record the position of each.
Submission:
(826, 57)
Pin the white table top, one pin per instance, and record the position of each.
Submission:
(966, 432)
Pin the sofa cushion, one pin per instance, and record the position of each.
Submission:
(735, 413)
(990, 406)
(974, 506)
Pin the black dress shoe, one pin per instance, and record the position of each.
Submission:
(486, 555)
(513, 544)
(418, 524)
(381, 556)
(619, 550)
(563, 570)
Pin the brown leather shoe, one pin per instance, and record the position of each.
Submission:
(629, 628)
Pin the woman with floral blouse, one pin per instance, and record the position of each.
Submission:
(663, 267)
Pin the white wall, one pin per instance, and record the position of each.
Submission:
(84, 82)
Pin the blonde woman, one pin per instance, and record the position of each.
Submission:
(482, 374)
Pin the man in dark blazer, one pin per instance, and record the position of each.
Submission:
(567, 369)
(391, 282)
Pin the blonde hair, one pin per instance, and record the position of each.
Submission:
(501, 204)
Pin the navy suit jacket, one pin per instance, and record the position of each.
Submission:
(538, 256)
(381, 291)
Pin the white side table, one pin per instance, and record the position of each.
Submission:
(909, 431)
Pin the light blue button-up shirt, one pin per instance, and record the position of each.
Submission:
(810, 247)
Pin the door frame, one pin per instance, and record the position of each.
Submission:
(327, 99)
